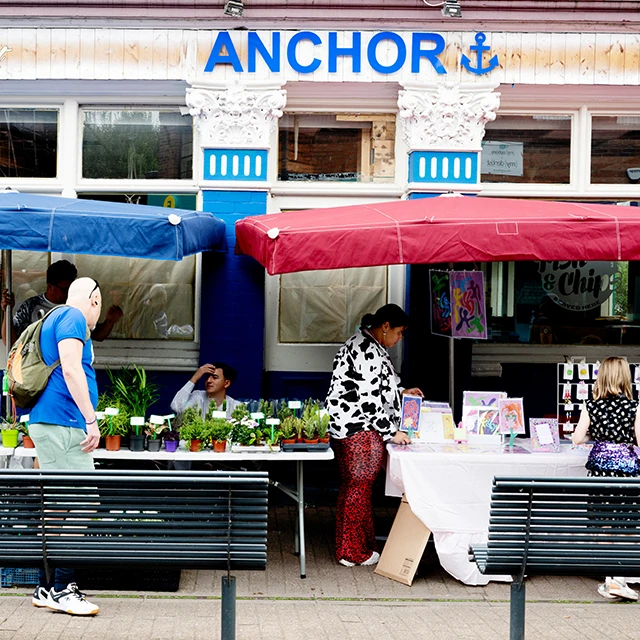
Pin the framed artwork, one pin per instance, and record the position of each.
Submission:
(410, 414)
(545, 436)
(482, 398)
(511, 415)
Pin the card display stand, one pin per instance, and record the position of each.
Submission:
(569, 412)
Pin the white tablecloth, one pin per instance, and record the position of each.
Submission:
(450, 491)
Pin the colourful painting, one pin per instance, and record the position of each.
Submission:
(470, 419)
(410, 413)
(544, 434)
(482, 398)
(468, 311)
(488, 421)
(511, 415)
(440, 303)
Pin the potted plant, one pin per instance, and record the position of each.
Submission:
(171, 437)
(153, 429)
(309, 432)
(272, 437)
(288, 429)
(9, 434)
(23, 428)
(192, 430)
(113, 423)
(322, 426)
(241, 434)
(218, 430)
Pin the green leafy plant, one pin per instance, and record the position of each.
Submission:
(284, 411)
(268, 407)
(131, 386)
(288, 428)
(322, 424)
(256, 436)
(117, 425)
(23, 427)
(242, 434)
(240, 413)
(154, 430)
(195, 430)
(218, 429)
(309, 430)
(8, 425)
(272, 441)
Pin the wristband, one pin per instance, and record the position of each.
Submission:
(95, 419)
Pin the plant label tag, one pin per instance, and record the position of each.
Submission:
(113, 411)
(323, 412)
(257, 415)
(153, 419)
(219, 414)
(294, 404)
(137, 421)
(170, 416)
(24, 418)
(273, 422)
(99, 415)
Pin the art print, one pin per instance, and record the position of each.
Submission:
(511, 415)
(544, 434)
(582, 391)
(470, 419)
(468, 309)
(482, 398)
(440, 303)
(488, 421)
(568, 371)
(410, 413)
(583, 371)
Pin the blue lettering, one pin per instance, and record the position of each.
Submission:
(223, 40)
(255, 45)
(291, 52)
(355, 51)
(373, 45)
(430, 54)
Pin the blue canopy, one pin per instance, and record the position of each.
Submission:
(49, 223)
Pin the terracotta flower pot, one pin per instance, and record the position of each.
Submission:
(324, 440)
(112, 443)
(27, 442)
(311, 440)
(288, 441)
(195, 445)
(219, 446)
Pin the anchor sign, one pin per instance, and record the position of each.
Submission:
(479, 48)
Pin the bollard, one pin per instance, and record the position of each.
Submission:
(228, 608)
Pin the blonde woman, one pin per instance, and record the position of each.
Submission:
(611, 420)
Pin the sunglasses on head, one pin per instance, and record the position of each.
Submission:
(97, 286)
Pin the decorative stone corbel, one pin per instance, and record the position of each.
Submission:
(238, 116)
(446, 117)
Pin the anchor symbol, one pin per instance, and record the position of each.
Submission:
(479, 48)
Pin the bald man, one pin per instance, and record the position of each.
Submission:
(63, 422)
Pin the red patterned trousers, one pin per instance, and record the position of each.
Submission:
(360, 460)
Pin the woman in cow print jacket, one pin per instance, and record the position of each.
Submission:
(364, 404)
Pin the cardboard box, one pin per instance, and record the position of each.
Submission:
(404, 548)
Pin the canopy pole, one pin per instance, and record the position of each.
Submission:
(8, 316)
(451, 373)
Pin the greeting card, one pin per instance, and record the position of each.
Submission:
(544, 434)
(488, 421)
(410, 421)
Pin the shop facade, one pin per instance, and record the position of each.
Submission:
(264, 119)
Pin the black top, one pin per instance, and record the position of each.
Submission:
(612, 419)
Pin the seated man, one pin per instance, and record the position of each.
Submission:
(60, 275)
(218, 378)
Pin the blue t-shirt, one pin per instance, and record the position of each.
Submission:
(55, 405)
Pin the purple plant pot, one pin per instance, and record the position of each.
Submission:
(171, 445)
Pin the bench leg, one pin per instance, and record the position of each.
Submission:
(228, 608)
(518, 601)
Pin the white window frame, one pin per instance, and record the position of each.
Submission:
(158, 355)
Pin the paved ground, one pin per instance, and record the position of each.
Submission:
(333, 602)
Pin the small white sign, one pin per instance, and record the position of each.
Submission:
(25, 418)
(257, 415)
(99, 415)
(153, 419)
(272, 422)
(113, 411)
(137, 421)
(170, 416)
(323, 412)
(294, 404)
(502, 158)
(544, 433)
(219, 414)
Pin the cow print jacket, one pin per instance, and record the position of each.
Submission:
(364, 394)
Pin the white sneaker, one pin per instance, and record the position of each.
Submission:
(603, 590)
(346, 563)
(39, 598)
(622, 590)
(71, 601)
(372, 559)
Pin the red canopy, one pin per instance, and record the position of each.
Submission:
(440, 229)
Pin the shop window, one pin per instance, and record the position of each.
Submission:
(564, 302)
(326, 306)
(28, 143)
(136, 144)
(615, 149)
(527, 149)
(340, 148)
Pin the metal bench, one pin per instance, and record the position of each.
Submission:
(190, 520)
(561, 526)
